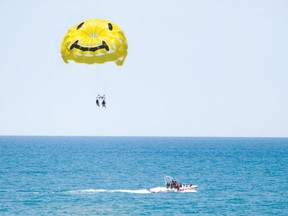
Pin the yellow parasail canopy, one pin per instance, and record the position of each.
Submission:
(94, 41)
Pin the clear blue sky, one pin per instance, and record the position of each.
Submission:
(194, 68)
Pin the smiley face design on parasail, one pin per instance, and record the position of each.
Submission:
(94, 41)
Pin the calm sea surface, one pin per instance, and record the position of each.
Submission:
(114, 175)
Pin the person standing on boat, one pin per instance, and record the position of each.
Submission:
(176, 185)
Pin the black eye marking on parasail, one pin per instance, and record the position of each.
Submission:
(80, 25)
(92, 49)
(110, 27)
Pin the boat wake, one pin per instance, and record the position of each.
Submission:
(140, 191)
(91, 191)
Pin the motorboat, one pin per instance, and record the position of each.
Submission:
(173, 185)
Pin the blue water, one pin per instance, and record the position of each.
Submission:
(113, 176)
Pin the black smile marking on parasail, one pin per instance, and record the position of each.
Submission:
(92, 49)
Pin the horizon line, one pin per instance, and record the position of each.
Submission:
(145, 136)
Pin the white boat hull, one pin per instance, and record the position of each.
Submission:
(183, 189)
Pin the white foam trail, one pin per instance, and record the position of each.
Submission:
(87, 191)
(158, 189)
(140, 191)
